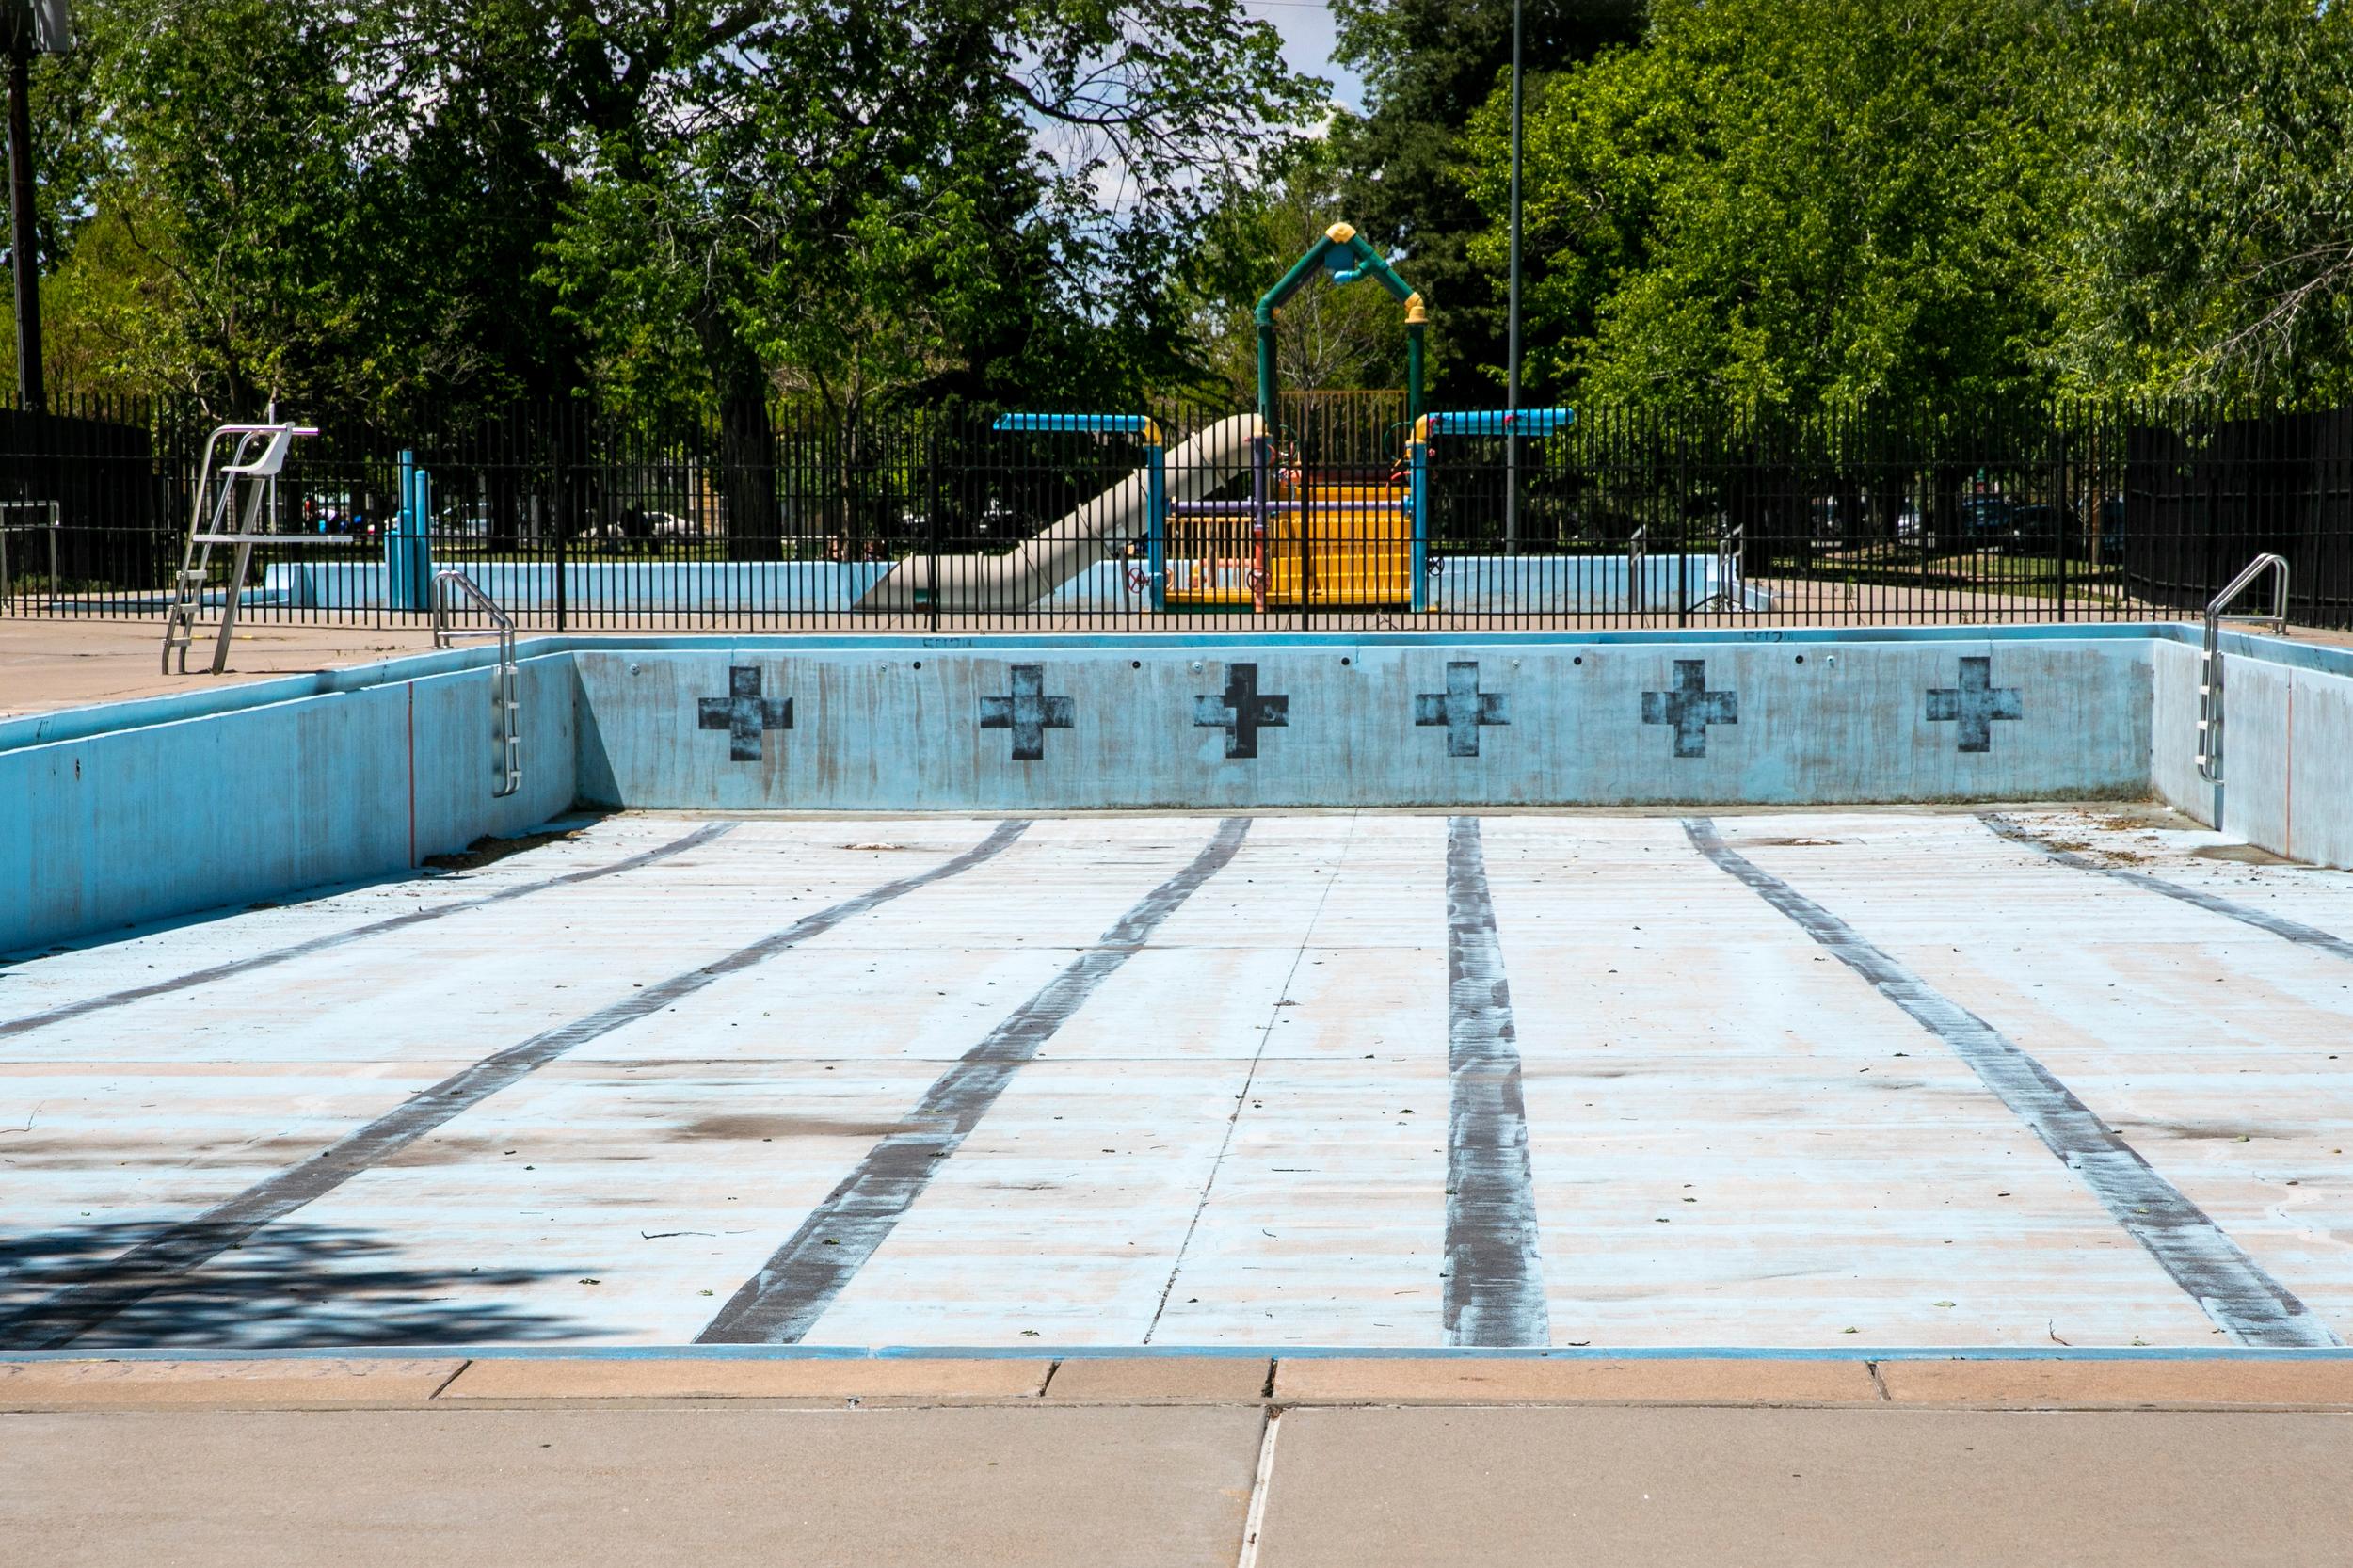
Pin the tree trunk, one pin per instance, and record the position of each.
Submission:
(747, 474)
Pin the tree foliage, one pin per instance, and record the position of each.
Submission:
(1429, 67)
(673, 205)
(1790, 200)
(1810, 202)
(2207, 245)
(1349, 336)
(700, 208)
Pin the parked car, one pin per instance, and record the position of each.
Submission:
(1985, 521)
(2041, 529)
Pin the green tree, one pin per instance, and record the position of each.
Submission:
(1793, 202)
(2207, 240)
(850, 205)
(1351, 337)
(1427, 67)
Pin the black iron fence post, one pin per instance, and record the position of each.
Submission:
(2062, 507)
(565, 481)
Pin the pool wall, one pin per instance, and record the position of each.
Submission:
(218, 795)
(1353, 722)
(2287, 745)
(196, 801)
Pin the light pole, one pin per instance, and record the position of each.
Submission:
(1512, 329)
(34, 28)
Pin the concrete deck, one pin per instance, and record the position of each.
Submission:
(1085, 1082)
(1647, 1462)
(68, 664)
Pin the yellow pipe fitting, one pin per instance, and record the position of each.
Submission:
(1340, 233)
(1416, 315)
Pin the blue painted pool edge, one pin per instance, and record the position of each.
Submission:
(1101, 1353)
(67, 724)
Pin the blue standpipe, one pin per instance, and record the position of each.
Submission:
(1155, 524)
(1421, 526)
(409, 544)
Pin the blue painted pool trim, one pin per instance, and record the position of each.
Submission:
(76, 724)
(1256, 1353)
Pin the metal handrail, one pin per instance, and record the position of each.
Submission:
(501, 624)
(1636, 554)
(1727, 594)
(507, 761)
(2210, 659)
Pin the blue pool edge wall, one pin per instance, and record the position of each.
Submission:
(157, 807)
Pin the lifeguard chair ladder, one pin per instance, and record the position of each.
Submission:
(254, 460)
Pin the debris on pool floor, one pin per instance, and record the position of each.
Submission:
(1799, 1078)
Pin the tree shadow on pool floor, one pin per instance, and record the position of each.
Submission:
(286, 1287)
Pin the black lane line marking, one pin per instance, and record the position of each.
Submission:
(377, 928)
(2233, 1288)
(154, 1265)
(780, 1304)
(2278, 925)
(1495, 1275)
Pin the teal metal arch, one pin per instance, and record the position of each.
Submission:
(1345, 252)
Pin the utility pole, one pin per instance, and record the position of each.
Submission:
(1511, 332)
(34, 28)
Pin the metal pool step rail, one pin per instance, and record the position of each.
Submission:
(506, 746)
(2210, 659)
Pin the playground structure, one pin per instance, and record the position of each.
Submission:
(1301, 536)
(1280, 510)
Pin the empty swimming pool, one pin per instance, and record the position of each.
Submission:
(1825, 1078)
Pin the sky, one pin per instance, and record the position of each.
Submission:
(1306, 29)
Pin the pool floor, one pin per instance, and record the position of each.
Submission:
(1804, 1079)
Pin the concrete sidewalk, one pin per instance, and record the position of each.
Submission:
(70, 664)
(1120, 1461)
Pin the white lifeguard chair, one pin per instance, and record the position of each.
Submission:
(259, 451)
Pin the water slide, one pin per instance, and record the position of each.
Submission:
(1098, 531)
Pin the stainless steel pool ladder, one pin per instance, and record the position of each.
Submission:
(1726, 593)
(257, 471)
(507, 743)
(2210, 660)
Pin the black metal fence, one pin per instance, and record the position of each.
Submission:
(940, 520)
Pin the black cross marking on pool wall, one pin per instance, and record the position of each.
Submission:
(1976, 703)
(1240, 711)
(1690, 708)
(743, 713)
(1462, 708)
(1029, 712)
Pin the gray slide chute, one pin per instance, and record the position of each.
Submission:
(1098, 531)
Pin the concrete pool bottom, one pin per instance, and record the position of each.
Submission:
(1238, 1136)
